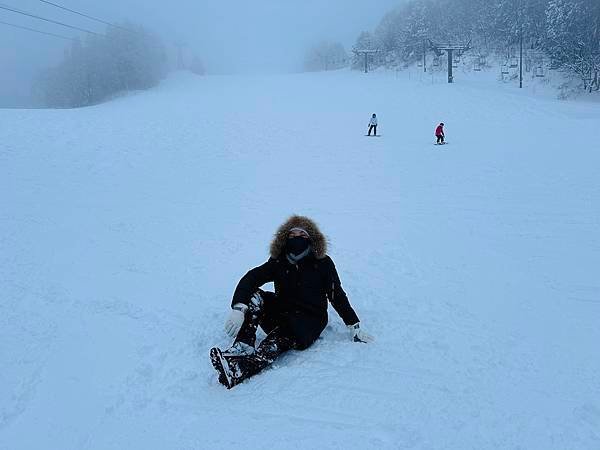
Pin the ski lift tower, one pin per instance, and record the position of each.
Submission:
(366, 53)
(450, 49)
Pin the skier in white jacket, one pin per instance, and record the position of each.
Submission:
(373, 125)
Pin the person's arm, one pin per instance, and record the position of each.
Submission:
(341, 304)
(250, 282)
(337, 297)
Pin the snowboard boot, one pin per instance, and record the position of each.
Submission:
(226, 362)
(216, 360)
(234, 365)
(241, 361)
(226, 374)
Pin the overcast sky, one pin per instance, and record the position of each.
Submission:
(231, 36)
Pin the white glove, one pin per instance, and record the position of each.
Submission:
(236, 319)
(358, 335)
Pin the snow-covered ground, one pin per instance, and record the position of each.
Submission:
(125, 227)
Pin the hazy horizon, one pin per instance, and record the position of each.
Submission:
(235, 36)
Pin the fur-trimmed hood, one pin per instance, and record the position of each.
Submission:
(318, 241)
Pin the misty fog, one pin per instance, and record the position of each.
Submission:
(234, 36)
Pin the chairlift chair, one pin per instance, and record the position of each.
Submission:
(504, 69)
(539, 72)
(514, 62)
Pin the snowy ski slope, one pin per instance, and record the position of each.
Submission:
(125, 227)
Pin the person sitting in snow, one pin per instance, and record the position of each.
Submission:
(293, 316)
(439, 133)
(373, 125)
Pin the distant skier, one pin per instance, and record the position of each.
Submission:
(295, 314)
(373, 125)
(439, 133)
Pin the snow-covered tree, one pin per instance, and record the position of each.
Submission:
(566, 30)
(365, 41)
(123, 59)
(574, 38)
(326, 56)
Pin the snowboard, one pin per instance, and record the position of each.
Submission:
(443, 143)
(372, 135)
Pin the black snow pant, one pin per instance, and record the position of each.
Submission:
(440, 139)
(372, 127)
(274, 344)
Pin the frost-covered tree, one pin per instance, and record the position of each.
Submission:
(123, 59)
(514, 20)
(365, 41)
(574, 38)
(566, 30)
(325, 56)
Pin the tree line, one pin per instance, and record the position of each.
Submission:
(97, 68)
(566, 32)
(325, 55)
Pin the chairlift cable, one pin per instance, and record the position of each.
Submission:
(24, 13)
(36, 31)
(87, 16)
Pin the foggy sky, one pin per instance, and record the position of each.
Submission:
(231, 36)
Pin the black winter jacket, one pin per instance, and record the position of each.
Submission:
(302, 293)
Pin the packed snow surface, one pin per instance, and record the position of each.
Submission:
(125, 227)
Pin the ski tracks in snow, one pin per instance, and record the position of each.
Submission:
(127, 231)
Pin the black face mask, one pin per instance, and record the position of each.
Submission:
(297, 245)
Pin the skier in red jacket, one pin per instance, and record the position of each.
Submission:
(439, 133)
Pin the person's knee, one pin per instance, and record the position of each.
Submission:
(269, 319)
(260, 298)
(267, 296)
